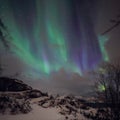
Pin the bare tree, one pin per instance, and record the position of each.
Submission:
(0, 69)
(4, 41)
(116, 23)
(108, 88)
(2, 35)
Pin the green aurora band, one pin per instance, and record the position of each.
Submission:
(48, 36)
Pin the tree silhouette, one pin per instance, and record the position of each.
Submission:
(116, 23)
(109, 79)
(3, 40)
(2, 36)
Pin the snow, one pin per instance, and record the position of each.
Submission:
(37, 113)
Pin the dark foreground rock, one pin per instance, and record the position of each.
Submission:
(35, 94)
(10, 84)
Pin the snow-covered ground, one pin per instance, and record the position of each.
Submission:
(39, 113)
(17, 105)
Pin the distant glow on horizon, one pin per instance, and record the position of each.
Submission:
(47, 36)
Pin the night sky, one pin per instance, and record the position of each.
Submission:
(49, 36)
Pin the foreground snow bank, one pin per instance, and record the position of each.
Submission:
(39, 113)
(36, 114)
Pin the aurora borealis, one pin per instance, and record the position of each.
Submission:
(48, 35)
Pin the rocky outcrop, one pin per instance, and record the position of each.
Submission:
(66, 105)
(10, 84)
(34, 93)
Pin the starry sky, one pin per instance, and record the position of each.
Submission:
(49, 36)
